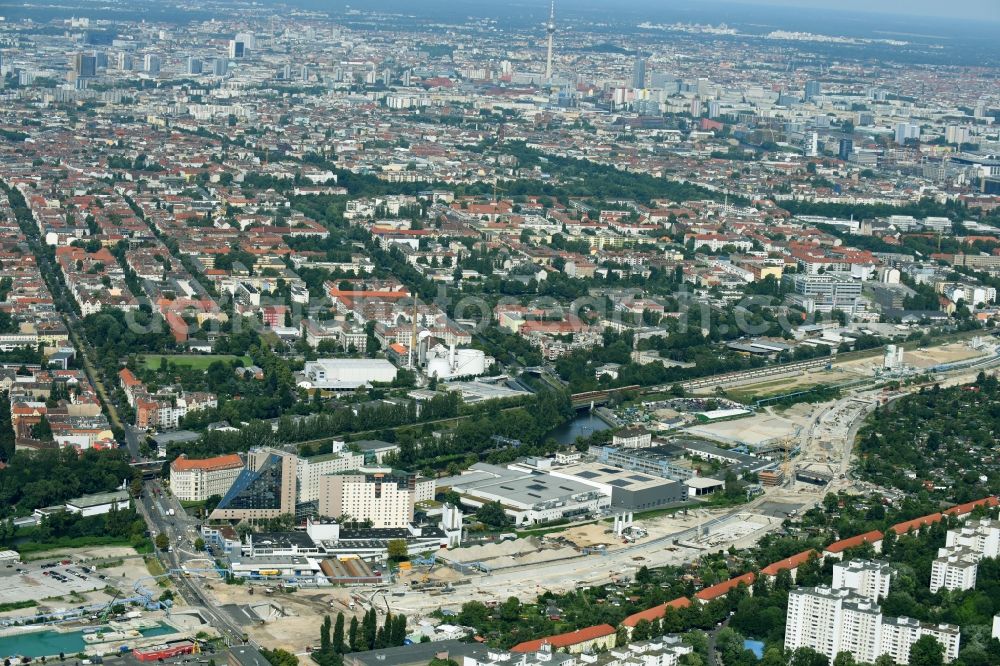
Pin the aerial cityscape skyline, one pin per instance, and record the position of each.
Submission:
(499, 334)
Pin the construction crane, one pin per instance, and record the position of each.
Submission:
(103, 617)
(786, 459)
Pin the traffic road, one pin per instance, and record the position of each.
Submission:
(165, 515)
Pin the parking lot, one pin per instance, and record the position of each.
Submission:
(38, 581)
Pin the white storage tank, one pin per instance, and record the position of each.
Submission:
(469, 362)
(439, 367)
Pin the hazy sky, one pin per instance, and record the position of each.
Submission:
(962, 9)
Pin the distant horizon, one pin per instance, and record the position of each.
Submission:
(968, 10)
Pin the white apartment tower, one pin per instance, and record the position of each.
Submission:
(957, 564)
(847, 618)
(832, 621)
(954, 569)
(866, 578)
(981, 536)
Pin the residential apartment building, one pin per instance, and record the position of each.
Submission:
(954, 569)
(957, 564)
(900, 633)
(163, 410)
(197, 480)
(831, 621)
(864, 577)
(981, 536)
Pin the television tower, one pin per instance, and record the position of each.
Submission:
(550, 29)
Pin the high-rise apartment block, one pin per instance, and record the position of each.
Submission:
(957, 564)
(847, 618)
(813, 89)
(864, 577)
(831, 621)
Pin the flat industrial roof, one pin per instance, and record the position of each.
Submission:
(605, 473)
(519, 486)
(704, 482)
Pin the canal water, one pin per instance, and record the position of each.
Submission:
(48, 643)
(584, 424)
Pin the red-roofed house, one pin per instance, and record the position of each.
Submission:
(601, 636)
(654, 613)
(963, 510)
(722, 589)
(916, 524)
(837, 548)
(130, 384)
(790, 564)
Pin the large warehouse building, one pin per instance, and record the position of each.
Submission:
(527, 496)
(633, 491)
(346, 374)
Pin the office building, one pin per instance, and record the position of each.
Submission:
(84, 65)
(632, 438)
(825, 291)
(656, 461)
(378, 494)
(846, 148)
(864, 577)
(266, 488)
(220, 67)
(813, 89)
(124, 62)
(639, 72)
(194, 66)
(197, 480)
(151, 64)
(237, 49)
(248, 39)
